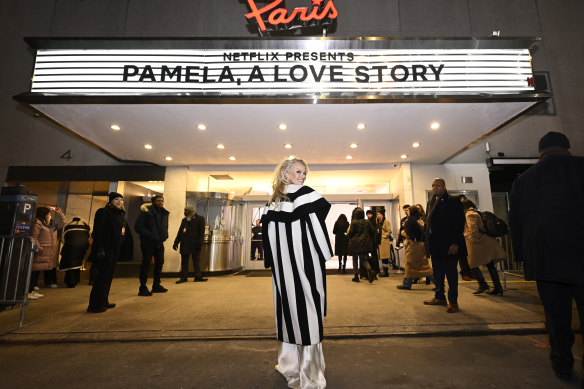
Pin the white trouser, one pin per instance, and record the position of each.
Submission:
(302, 366)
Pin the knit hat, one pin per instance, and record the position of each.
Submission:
(381, 211)
(190, 208)
(553, 139)
(113, 195)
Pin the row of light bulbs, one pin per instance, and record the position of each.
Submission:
(283, 127)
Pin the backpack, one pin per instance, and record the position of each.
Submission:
(494, 226)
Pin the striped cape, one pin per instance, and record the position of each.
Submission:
(296, 246)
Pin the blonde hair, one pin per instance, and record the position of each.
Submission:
(280, 180)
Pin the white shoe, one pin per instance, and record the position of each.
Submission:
(31, 296)
(36, 294)
(53, 286)
(36, 288)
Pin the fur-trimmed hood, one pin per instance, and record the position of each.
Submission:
(146, 208)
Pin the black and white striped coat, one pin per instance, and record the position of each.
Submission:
(296, 246)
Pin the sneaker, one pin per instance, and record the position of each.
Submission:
(159, 289)
(403, 287)
(53, 286)
(143, 291)
(36, 288)
(37, 294)
(31, 296)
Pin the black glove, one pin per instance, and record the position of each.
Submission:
(175, 247)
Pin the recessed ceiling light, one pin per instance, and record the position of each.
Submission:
(148, 147)
(415, 145)
(232, 158)
(291, 157)
(288, 146)
(115, 127)
(361, 126)
(202, 127)
(435, 125)
(220, 146)
(168, 158)
(283, 126)
(403, 156)
(348, 157)
(354, 145)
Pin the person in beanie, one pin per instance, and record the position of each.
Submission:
(112, 241)
(190, 237)
(152, 226)
(548, 241)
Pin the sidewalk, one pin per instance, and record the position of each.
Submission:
(240, 306)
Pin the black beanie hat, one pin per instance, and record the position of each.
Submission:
(113, 195)
(42, 212)
(553, 139)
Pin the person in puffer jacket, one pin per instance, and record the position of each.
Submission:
(361, 242)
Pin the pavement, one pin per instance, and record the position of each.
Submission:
(220, 334)
(240, 306)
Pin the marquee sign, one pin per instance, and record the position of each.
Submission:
(276, 72)
(274, 17)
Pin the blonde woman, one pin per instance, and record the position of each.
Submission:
(296, 246)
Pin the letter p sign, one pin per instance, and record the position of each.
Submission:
(26, 209)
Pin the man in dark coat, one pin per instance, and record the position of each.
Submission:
(190, 237)
(256, 241)
(547, 238)
(444, 242)
(152, 226)
(112, 241)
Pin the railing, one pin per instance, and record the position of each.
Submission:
(16, 253)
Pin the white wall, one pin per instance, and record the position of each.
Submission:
(422, 176)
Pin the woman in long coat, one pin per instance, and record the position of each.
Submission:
(417, 264)
(45, 238)
(384, 231)
(361, 242)
(296, 246)
(341, 241)
(482, 249)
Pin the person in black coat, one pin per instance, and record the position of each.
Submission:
(341, 241)
(152, 226)
(112, 241)
(75, 244)
(444, 242)
(361, 242)
(190, 237)
(548, 240)
(257, 241)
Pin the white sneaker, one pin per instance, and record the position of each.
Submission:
(36, 294)
(36, 288)
(53, 286)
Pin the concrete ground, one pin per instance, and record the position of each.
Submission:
(220, 334)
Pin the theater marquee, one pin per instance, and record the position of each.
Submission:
(281, 71)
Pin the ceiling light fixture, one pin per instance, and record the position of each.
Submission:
(361, 126)
(288, 146)
(115, 127)
(435, 125)
(348, 157)
(283, 127)
(220, 146)
(232, 158)
(354, 145)
(291, 157)
(148, 147)
(415, 145)
(403, 156)
(168, 158)
(202, 127)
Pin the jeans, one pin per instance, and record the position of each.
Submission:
(150, 251)
(446, 267)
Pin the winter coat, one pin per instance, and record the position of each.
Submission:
(361, 235)
(385, 245)
(75, 245)
(111, 235)
(341, 240)
(190, 234)
(152, 225)
(481, 247)
(444, 227)
(47, 242)
(547, 237)
(417, 264)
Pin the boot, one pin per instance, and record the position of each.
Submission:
(385, 272)
(143, 291)
(345, 267)
(355, 279)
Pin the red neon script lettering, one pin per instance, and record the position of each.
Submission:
(280, 15)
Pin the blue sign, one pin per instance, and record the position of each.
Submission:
(26, 208)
